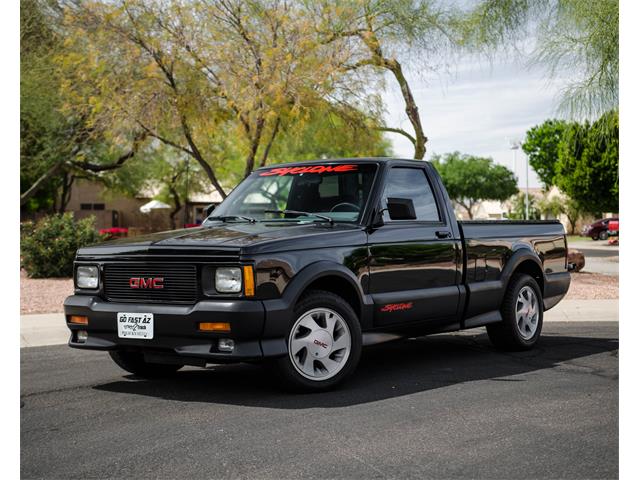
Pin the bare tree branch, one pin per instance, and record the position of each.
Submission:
(399, 131)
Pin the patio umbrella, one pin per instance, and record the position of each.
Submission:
(153, 205)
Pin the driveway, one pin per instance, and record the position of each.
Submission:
(442, 406)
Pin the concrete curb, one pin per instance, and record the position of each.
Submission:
(50, 328)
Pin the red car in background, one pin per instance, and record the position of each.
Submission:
(598, 229)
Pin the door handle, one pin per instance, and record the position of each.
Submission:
(443, 234)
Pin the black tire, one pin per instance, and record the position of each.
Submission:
(594, 237)
(133, 362)
(506, 334)
(603, 235)
(289, 376)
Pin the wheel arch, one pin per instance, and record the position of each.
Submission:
(323, 275)
(524, 261)
(340, 286)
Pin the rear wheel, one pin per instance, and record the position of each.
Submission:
(134, 362)
(522, 311)
(603, 235)
(324, 343)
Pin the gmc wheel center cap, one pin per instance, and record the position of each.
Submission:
(320, 344)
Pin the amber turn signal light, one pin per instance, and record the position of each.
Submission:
(214, 326)
(249, 285)
(79, 319)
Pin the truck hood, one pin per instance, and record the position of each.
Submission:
(230, 237)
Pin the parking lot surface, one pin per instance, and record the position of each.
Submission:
(445, 406)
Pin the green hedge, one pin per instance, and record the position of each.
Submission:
(49, 246)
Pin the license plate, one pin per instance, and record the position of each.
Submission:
(135, 325)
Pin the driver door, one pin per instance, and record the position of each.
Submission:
(413, 263)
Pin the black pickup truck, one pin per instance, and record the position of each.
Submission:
(304, 264)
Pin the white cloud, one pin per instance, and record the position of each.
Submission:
(478, 110)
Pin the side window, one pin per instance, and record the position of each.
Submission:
(406, 182)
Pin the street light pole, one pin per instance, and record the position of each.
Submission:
(515, 145)
(526, 188)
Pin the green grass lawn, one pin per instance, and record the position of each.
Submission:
(577, 238)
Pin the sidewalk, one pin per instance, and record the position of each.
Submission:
(583, 311)
(50, 328)
(41, 329)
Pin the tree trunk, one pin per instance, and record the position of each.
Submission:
(65, 195)
(39, 183)
(572, 225)
(177, 205)
(195, 153)
(420, 145)
(469, 209)
(370, 39)
(267, 148)
(253, 148)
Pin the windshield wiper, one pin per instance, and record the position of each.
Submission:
(224, 218)
(298, 212)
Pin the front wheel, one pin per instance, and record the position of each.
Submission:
(522, 311)
(134, 362)
(324, 343)
(603, 235)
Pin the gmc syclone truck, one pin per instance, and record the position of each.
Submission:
(305, 263)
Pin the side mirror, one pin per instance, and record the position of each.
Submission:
(209, 209)
(401, 209)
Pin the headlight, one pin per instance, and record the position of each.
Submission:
(228, 280)
(87, 277)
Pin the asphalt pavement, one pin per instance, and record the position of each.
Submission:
(445, 406)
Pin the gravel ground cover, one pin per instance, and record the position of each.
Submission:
(592, 286)
(45, 295)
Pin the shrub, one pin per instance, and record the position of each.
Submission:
(49, 246)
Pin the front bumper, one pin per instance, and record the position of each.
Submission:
(175, 328)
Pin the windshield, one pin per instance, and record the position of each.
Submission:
(336, 193)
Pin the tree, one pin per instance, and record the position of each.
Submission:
(378, 34)
(518, 208)
(576, 36)
(562, 205)
(326, 133)
(573, 212)
(56, 146)
(553, 206)
(587, 169)
(469, 179)
(583, 40)
(541, 145)
(204, 78)
(178, 180)
(41, 125)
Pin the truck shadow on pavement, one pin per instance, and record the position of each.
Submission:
(385, 371)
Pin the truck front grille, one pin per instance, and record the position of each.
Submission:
(179, 283)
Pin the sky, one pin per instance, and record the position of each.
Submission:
(478, 109)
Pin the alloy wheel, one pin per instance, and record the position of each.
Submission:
(319, 344)
(527, 312)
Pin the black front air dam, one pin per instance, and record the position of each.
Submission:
(175, 327)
